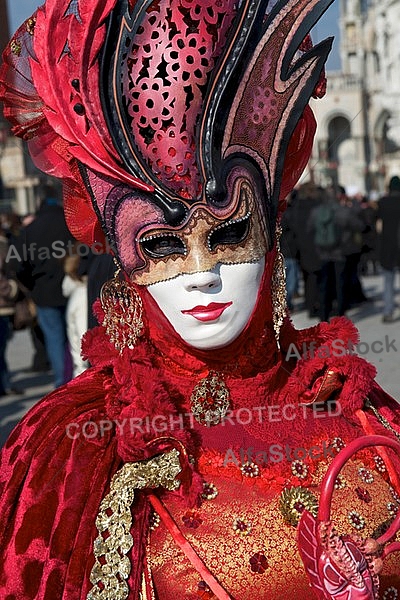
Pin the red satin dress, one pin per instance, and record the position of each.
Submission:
(248, 480)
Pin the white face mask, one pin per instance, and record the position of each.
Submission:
(210, 309)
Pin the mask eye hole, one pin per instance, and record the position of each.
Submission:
(159, 246)
(233, 232)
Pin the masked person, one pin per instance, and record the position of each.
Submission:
(211, 451)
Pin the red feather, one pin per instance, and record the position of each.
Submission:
(67, 40)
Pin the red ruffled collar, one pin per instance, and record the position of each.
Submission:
(259, 371)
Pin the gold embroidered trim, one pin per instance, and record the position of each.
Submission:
(147, 577)
(143, 593)
(278, 288)
(381, 418)
(114, 521)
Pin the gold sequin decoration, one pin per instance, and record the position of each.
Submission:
(390, 594)
(155, 521)
(242, 527)
(30, 25)
(250, 469)
(340, 482)
(114, 521)
(294, 501)
(370, 505)
(225, 552)
(16, 47)
(209, 491)
(299, 469)
(356, 520)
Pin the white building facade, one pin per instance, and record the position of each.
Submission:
(18, 177)
(358, 138)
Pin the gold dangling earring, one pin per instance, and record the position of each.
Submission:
(278, 288)
(123, 312)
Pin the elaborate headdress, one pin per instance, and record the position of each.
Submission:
(146, 107)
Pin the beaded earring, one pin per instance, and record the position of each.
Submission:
(123, 312)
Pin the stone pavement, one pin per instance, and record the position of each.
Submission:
(34, 385)
(379, 343)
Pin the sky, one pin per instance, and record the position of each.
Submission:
(19, 10)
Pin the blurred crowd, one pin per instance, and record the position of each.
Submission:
(330, 239)
(48, 284)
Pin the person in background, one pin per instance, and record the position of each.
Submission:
(100, 268)
(40, 362)
(354, 226)
(74, 287)
(325, 231)
(369, 259)
(389, 244)
(37, 263)
(8, 294)
(308, 197)
(333, 226)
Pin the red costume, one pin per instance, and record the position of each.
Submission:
(251, 469)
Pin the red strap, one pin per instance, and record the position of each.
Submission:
(185, 546)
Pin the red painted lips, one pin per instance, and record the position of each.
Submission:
(208, 313)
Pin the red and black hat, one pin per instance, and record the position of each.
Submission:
(164, 97)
